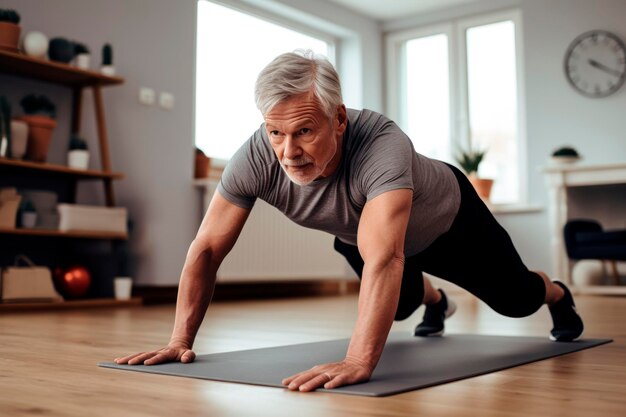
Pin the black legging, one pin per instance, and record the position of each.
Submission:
(476, 254)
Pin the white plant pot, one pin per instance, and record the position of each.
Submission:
(108, 70)
(82, 61)
(78, 159)
(19, 138)
(29, 219)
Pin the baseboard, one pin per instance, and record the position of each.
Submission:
(254, 290)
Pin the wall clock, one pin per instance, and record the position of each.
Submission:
(595, 63)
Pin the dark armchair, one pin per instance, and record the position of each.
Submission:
(585, 239)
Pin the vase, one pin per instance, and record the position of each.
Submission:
(108, 70)
(28, 219)
(9, 36)
(482, 186)
(39, 135)
(78, 159)
(35, 44)
(82, 61)
(19, 138)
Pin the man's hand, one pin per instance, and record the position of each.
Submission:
(330, 375)
(170, 353)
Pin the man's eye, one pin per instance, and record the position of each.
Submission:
(274, 132)
(305, 130)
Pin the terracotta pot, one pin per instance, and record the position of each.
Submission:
(482, 186)
(202, 166)
(39, 135)
(9, 36)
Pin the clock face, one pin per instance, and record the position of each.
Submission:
(595, 63)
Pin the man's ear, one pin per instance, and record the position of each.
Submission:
(341, 119)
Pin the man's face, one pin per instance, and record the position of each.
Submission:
(306, 142)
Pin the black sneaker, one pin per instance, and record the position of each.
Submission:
(568, 325)
(434, 316)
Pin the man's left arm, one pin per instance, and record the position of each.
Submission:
(381, 235)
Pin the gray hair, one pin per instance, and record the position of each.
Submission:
(296, 73)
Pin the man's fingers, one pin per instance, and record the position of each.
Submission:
(288, 381)
(125, 359)
(338, 381)
(301, 379)
(158, 356)
(316, 382)
(141, 358)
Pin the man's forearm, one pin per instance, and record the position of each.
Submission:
(378, 301)
(195, 290)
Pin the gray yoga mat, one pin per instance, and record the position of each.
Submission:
(408, 363)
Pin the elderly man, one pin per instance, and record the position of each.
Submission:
(394, 213)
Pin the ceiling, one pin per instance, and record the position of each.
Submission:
(393, 9)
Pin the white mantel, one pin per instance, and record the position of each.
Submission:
(560, 178)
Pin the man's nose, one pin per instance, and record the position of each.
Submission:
(292, 150)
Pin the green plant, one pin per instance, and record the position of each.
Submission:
(8, 15)
(38, 104)
(565, 151)
(27, 206)
(77, 143)
(470, 160)
(107, 54)
(80, 48)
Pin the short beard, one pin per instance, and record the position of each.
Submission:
(297, 162)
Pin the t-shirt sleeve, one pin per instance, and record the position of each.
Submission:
(241, 178)
(386, 163)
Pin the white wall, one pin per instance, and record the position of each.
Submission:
(556, 115)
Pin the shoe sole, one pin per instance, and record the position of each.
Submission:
(554, 339)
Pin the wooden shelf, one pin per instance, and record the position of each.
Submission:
(58, 169)
(71, 304)
(54, 72)
(58, 233)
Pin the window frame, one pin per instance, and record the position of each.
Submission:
(459, 127)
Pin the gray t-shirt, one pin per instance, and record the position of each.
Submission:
(377, 157)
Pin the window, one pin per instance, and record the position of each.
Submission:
(232, 48)
(457, 85)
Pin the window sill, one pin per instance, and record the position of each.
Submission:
(514, 208)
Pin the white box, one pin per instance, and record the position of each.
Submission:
(74, 217)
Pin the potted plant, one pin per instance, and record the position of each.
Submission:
(9, 30)
(81, 56)
(565, 154)
(470, 161)
(61, 50)
(39, 114)
(78, 153)
(107, 67)
(28, 214)
(202, 165)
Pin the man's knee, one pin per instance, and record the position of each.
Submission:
(404, 311)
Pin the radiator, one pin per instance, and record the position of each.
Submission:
(273, 248)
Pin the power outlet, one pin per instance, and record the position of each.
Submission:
(166, 100)
(147, 96)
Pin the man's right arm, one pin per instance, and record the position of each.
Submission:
(215, 238)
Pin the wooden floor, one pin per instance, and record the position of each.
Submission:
(48, 364)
